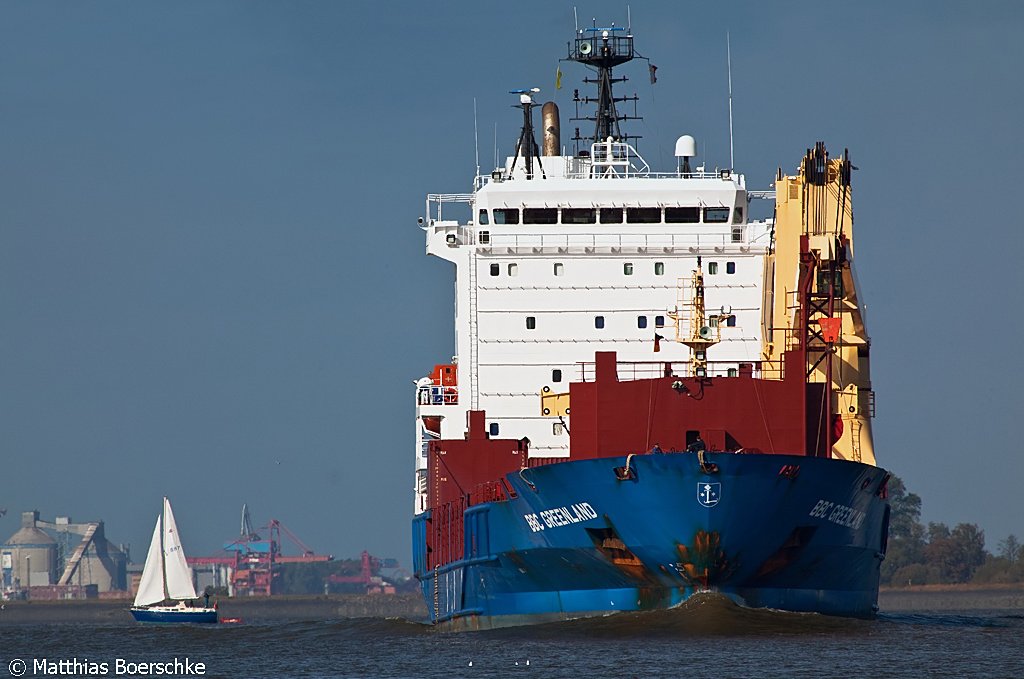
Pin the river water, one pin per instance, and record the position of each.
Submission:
(705, 639)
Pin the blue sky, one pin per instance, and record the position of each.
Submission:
(212, 285)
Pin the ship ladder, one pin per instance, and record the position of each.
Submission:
(474, 376)
(855, 439)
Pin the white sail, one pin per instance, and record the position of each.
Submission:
(151, 586)
(176, 570)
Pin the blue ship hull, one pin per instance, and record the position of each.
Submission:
(776, 531)
(174, 615)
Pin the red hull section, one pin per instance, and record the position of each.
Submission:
(740, 413)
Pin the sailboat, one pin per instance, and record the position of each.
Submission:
(165, 591)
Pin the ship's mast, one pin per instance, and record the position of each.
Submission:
(527, 144)
(603, 49)
(701, 336)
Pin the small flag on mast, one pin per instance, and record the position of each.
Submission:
(653, 69)
(558, 77)
(657, 342)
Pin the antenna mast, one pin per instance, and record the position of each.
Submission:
(603, 49)
(527, 144)
(728, 57)
(476, 139)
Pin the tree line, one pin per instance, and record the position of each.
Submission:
(936, 554)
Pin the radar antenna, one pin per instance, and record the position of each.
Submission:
(527, 144)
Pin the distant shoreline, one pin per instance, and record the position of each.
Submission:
(411, 606)
(249, 609)
(951, 598)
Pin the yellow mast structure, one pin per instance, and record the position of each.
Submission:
(699, 336)
(813, 210)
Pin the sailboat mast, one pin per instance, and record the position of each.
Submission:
(163, 560)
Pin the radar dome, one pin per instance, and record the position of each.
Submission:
(686, 147)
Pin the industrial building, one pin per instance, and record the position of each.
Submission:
(60, 559)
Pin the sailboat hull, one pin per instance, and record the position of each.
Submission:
(175, 614)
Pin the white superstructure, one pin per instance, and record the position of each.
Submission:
(585, 256)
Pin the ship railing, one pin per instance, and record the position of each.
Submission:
(601, 242)
(645, 370)
(437, 201)
(583, 168)
(437, 395)
(491, 491)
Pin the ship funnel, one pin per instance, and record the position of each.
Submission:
(549, 119)
(686, 148)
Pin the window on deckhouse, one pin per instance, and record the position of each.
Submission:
(559, 269)
(579, 215)
(540, 215)
(508, 215)
(682, 215)
(716, 215)
(483, 218)
(495, 269)
(643, 215)
(611, 215)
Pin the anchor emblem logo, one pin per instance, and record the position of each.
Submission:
(708, 494)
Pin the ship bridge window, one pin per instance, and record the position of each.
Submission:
(506, 215)
(611, 215)
(712, 268)
(540, 215)
(837, 283)
(483, 218)
(716, 215)
(495, 269)
(579, 215)
(643, 215)
(682, 215)
(737, 216)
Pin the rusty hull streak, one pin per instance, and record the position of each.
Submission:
(705, 565)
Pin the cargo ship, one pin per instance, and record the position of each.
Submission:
(653, 395)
